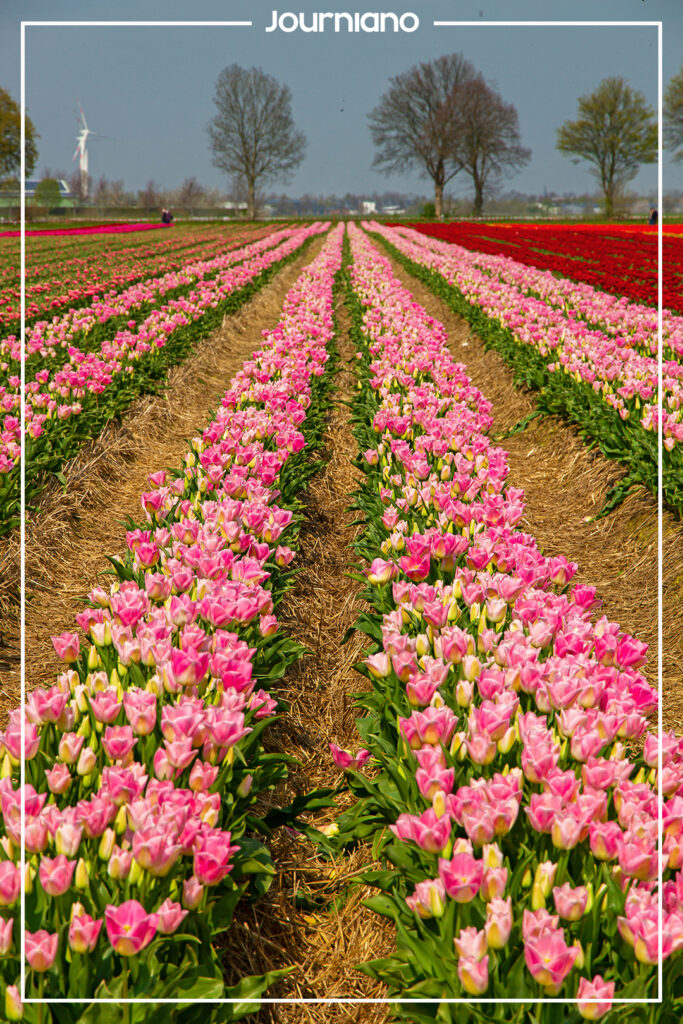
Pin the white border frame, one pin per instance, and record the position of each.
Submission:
(22, 646)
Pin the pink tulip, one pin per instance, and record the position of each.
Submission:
(118, 742)
(6, 935)
(430, 832)
(83, 933)
(549, 959)
(170, 916)
(595, 997)
(570, 903)
(605, 839)
(498, 922)
(58, 778)
(67, 646)
(41, 949)
(56, 874)
(129, 927)
(470, 943)
(70, 745)
(14, 1008)
(192, 893)
(155, 851)
(10, 883)
(474, 974)
(428, 899)
(346, 760)
(211, 858)
(461, 876)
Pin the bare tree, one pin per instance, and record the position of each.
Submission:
(111, 193)
(616, 132)
(673, 116)
(150, 198)
(75, 180)
(190, 194)
(486, 142)
(252, 133)
(416, 121)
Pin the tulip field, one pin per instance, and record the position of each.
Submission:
(520, 821)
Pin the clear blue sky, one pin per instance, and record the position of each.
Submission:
(151, 89)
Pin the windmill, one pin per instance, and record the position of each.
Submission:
(81, 148)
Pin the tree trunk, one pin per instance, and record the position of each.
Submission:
(251, 201)
(478, 204)
(609, 202)
(438, 200)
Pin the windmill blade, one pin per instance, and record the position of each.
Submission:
(80, 109)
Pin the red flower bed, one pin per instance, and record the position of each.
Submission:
(621, 259)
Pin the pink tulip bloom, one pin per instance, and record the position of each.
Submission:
(41, 949)
(566, 832)
(498, 922)
(461, 876)
(58, 778)
(129, 927)
(605, 839)
(428, 899)
(570, 903)
(549, 959)
(87, 761)
(67, 646)
(105, 705)
(119, 863)
(6, 935)
(211, 858)
(493, 883)
(68, 838)
(595, 997)
(192, 893)
(84, 932)
(346, 760)
(202, 776)
(10, 883)
(430, 832)
(474, 975)
(70, 747)
(470, 943)
(155, 851)
(170, 916)
(56, 874)
(118, 742)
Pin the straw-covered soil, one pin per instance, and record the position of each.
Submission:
(311, 918)
(565, 486)
(67, 540)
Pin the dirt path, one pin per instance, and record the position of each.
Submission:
(322, 942)
(565, 486)
(67, 542)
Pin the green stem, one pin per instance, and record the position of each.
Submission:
(41, 987)
(124, 996)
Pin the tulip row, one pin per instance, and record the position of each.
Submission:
(93, 388)
(608, 390)
(144, 761)
(518, 835)
(630, 324)
(85, 328)
(72, 271)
